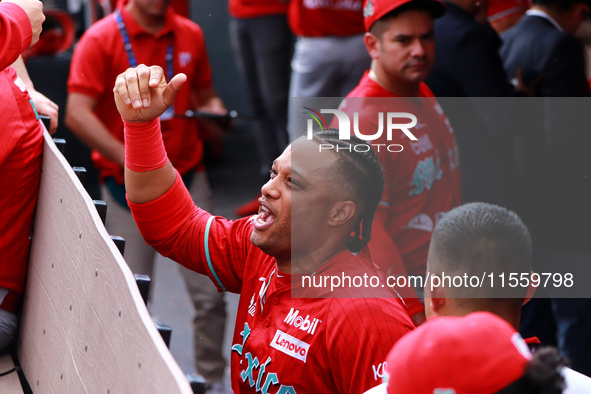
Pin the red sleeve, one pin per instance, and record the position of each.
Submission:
(356, 351)
(202, 78)
(15, 33)
(88, 68)
(210, 245)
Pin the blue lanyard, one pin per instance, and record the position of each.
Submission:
(129, 49)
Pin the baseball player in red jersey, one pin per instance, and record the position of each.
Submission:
(21, 143)
(422, 179)
(282, 344)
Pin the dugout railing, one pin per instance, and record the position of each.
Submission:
(85, 327)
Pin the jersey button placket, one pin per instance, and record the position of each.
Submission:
(267, 322)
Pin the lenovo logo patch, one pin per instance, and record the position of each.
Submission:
(291, 346)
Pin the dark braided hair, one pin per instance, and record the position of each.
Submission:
(359, 174)
(543, 374)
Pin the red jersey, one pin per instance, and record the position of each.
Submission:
(15, 33)
(100, 56)
(21, 147)
(256, 8)
(322, 18)
(422, 182)
(281, 344)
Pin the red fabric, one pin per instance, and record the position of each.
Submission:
(499, 9)
(99, 57)
(343, 352)
(256, 8)
(478, 353)
(15, 33)
(21, 136)
(144, 149)
(181, 7)
(414, 305)
(421, 183)
(325, 18)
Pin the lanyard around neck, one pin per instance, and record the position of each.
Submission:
(129, 49)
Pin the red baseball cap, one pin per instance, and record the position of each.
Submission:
(476, 354)
(374, 10)
(499, 9)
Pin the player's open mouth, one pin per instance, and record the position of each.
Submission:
(264, 219)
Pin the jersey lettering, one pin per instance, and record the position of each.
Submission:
(379, 371)
(271, 379)
(244, 334)
(286, 390)
(261, 373)
(254, 364)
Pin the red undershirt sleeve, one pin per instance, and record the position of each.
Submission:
(15, 33)
(210, 245)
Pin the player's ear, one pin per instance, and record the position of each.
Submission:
(436, 304)
(371, 44)
(435, 300)
(341, 212)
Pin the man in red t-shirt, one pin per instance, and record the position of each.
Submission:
(295, 332)
(421, 176)
(149, 32)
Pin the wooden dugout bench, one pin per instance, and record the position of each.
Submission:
(85, 327)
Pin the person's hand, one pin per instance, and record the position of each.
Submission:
(45, 106)
(142, 94)
(34, 10)
(215, 106)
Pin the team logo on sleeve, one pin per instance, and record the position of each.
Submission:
(291, 346)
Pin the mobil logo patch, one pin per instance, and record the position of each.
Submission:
(291, 346)
(306, 324)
